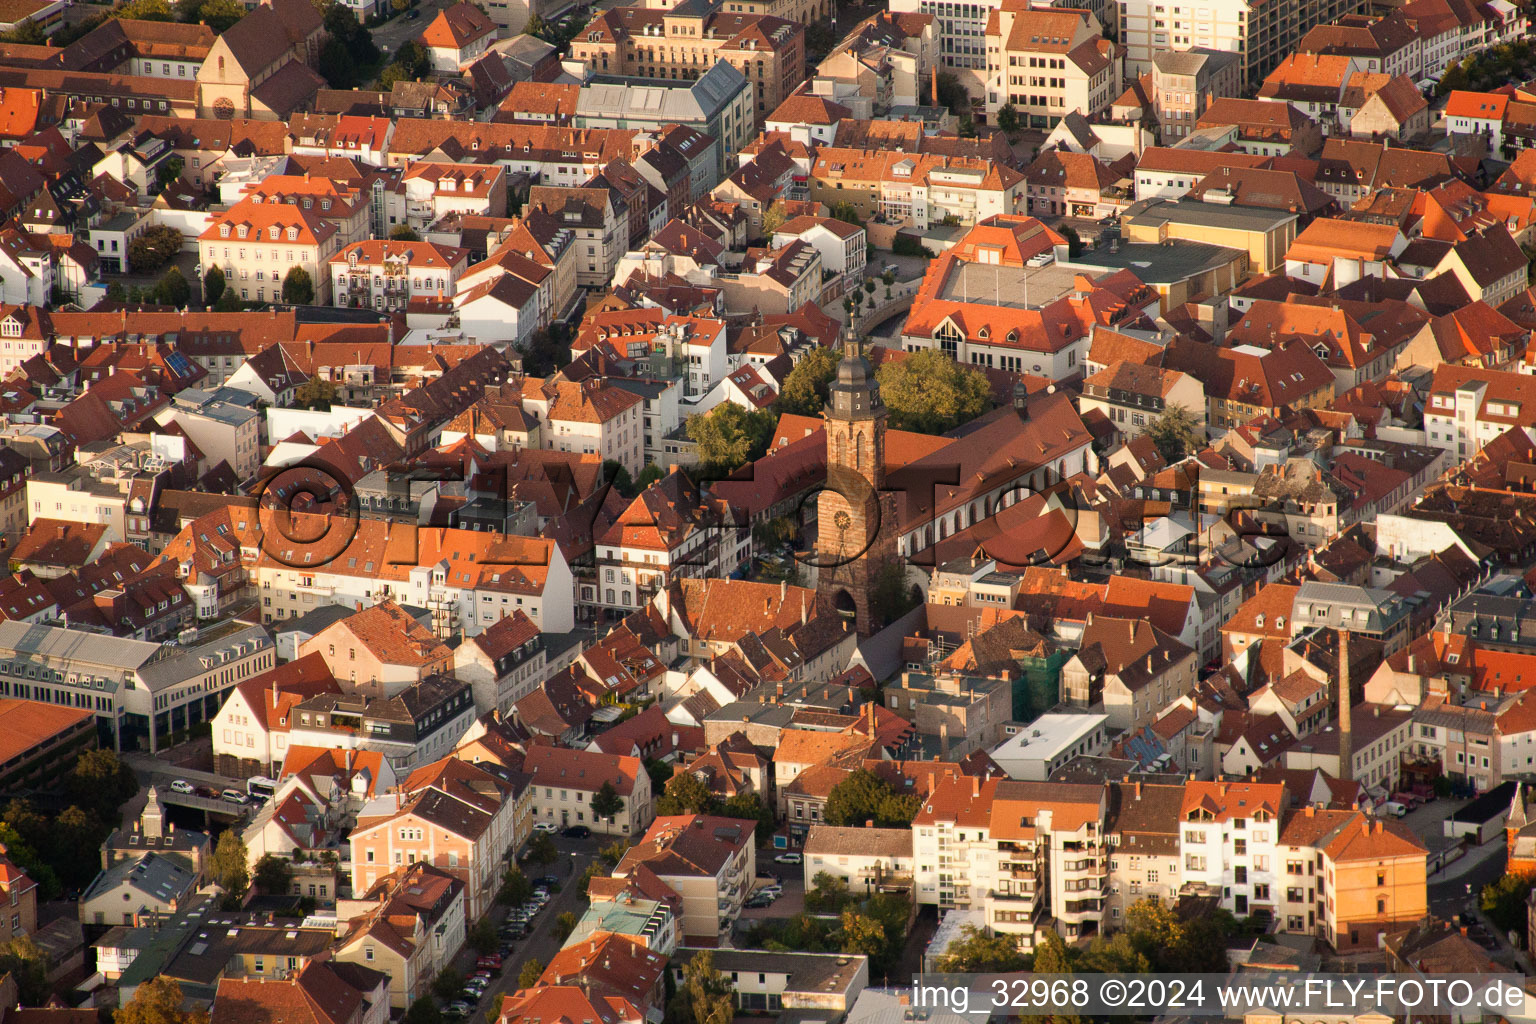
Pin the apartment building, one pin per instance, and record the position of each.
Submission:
(383, 648)
(681, 42)
(1186, 82)
(1262, 33)
(251, 729)
(1143, 831)
(565, 781)
(670, 530)
(709, 861)
(1469, 406)
(451, 815)
(429, 191)
(385, 275)
(922, 189)
(503, 663)
(258, 244)
(598, 221)
(1047, 62)
(1229, 843)
(1350, 878)
(1026, 854)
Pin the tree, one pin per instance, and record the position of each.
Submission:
(166, 174)
(606, 802)
(448, 984)
(298, 289)
(528, 975)
(228, 866)
(153, 249)
(213, 285)
(173, 289)
(967, 128)
(805, 388)
(1175, 434)
(515, 887)
(847, 212)
(157, 1001)
(1074, 240)
(564, 925)
(1504, 901)
(615, 473)
(890, 598)
(102, 781)
(414, 58)
(337, 66)
(1051, 955)
(649, 475)
(685, 794)
(116, 292)
(423, 1011)
(26, 857)
(705, 995)
(273, 874)
(404, 233)
(482, 937)
(71, 842)
(750, 807)
(220, 15)
(864, 796)
(977, 952)
(25, 961)
(542, 850)
(774, 218)
(1008, 119)
(145, 10)
(930, 393)
(828, 894)
(729, 437)
(28, 33)
(228, 302)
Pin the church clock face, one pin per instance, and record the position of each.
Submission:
(842, 520)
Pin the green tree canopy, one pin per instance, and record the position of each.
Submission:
(101, 781)
(298, 288)
(542, 850)
(228, 864)
(977, 952)
(750, 807)
(153, 248)
(1504, 901)
(704, 996)
(1175, 434)
(515, 887)
(729, 437)
(448, 984)
(528, 975)
(404, 233)
(649, 475)
(685, 794)
(273, 874)
(930, 393)
(606, 802)
(805, 388)
(25, 961)
(173, 290)
(423, 1011)
(145, 10)
(213, 285)
(228, 302)
(482, 937)
(864, 796)
(157, 1001)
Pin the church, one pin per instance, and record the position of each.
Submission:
(890, 495)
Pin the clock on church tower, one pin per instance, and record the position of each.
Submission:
(856, 521)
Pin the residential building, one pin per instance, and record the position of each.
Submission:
(1229, 843)
(257, 245)
(388, 275)
(565, 781)
(1047, 62)
(710, 862)
(1186, 82)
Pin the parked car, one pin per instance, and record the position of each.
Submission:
(577, 832)
(459, 1008)
(787, 858)
(412, 15)
(183, 786)
(490, 961)
(766, 873)
(760, 900)
(546, 826)
(547, 882)
(234, 796)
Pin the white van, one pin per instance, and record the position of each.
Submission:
(1394, 808)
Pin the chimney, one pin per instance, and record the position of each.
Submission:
(1346, 737)
(1138, 789)
(935, 70)
(1311, 810)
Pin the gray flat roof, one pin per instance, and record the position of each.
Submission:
(1216, 215)
(1173, 261)
(1017, 287)
(76, 645)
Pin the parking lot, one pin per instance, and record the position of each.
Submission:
(792, 880)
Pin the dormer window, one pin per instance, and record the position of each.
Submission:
(293, 234)
(273, 232)
(243, 231)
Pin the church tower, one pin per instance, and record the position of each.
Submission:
(856, 522)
